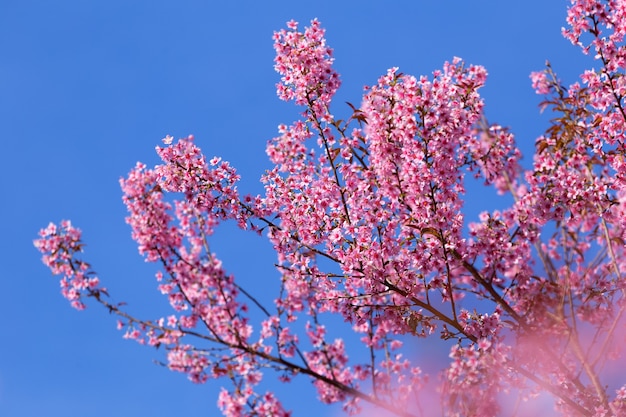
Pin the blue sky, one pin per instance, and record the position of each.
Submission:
(87, 88)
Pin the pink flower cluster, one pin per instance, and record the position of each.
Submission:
(366, 217)
(305, 63)
(59, 245)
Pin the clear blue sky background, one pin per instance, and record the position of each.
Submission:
(87, 88)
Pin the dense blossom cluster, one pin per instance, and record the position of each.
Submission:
(60, 244)
(305, 63)
(366, 217)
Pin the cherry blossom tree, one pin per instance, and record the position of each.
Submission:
(365, 214)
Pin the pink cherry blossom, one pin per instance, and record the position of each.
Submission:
(366, 216)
